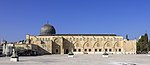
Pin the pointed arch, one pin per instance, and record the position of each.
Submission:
(115, 44)
(105, 44)
(98, 44)
(77, 44)
(94, 44)
(87, 45)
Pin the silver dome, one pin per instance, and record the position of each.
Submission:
(47, 29)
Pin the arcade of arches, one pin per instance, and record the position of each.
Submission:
(83, 44)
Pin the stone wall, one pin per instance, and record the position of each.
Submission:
(83, 44)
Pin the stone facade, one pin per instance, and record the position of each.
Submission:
(82, 44)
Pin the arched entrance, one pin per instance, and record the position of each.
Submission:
(66, 51)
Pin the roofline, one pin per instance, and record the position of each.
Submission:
(80, 35)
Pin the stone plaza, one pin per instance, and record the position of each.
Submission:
(79, 59)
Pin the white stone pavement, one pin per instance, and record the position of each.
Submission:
(85, 59)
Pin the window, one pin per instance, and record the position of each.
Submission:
(79, 50)
(37, 39)
(87, 39)
(109, 50)
(85, 49)
(119, 50)
(106, 50)
(56, 50)
(100, 50)
(95, 50)
(70, 38)
(89, 50)
(49, 39)
(116, 50)
(74, 50)
(80, 39)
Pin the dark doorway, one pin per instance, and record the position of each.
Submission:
(57, 51)
(66, 51)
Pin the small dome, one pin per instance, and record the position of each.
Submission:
(47, 29)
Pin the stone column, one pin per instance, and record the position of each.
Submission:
(61, 46)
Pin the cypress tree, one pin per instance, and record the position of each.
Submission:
(127, 37)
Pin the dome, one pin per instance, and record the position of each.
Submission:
(47, 29)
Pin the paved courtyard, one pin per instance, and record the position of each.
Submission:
(86, 59)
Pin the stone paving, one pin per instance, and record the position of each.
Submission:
(85, 59)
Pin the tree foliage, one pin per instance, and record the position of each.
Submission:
(143, 44)
(127, 37)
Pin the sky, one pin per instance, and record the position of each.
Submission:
(121, 17)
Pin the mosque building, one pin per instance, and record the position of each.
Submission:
(48, 42)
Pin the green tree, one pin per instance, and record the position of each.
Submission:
(127, 37)
(143, 43)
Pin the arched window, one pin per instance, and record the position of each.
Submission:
(70, 39)
(45, 39)
(80, 39)
(87, 39)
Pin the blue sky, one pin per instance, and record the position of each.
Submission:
(121, 17)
